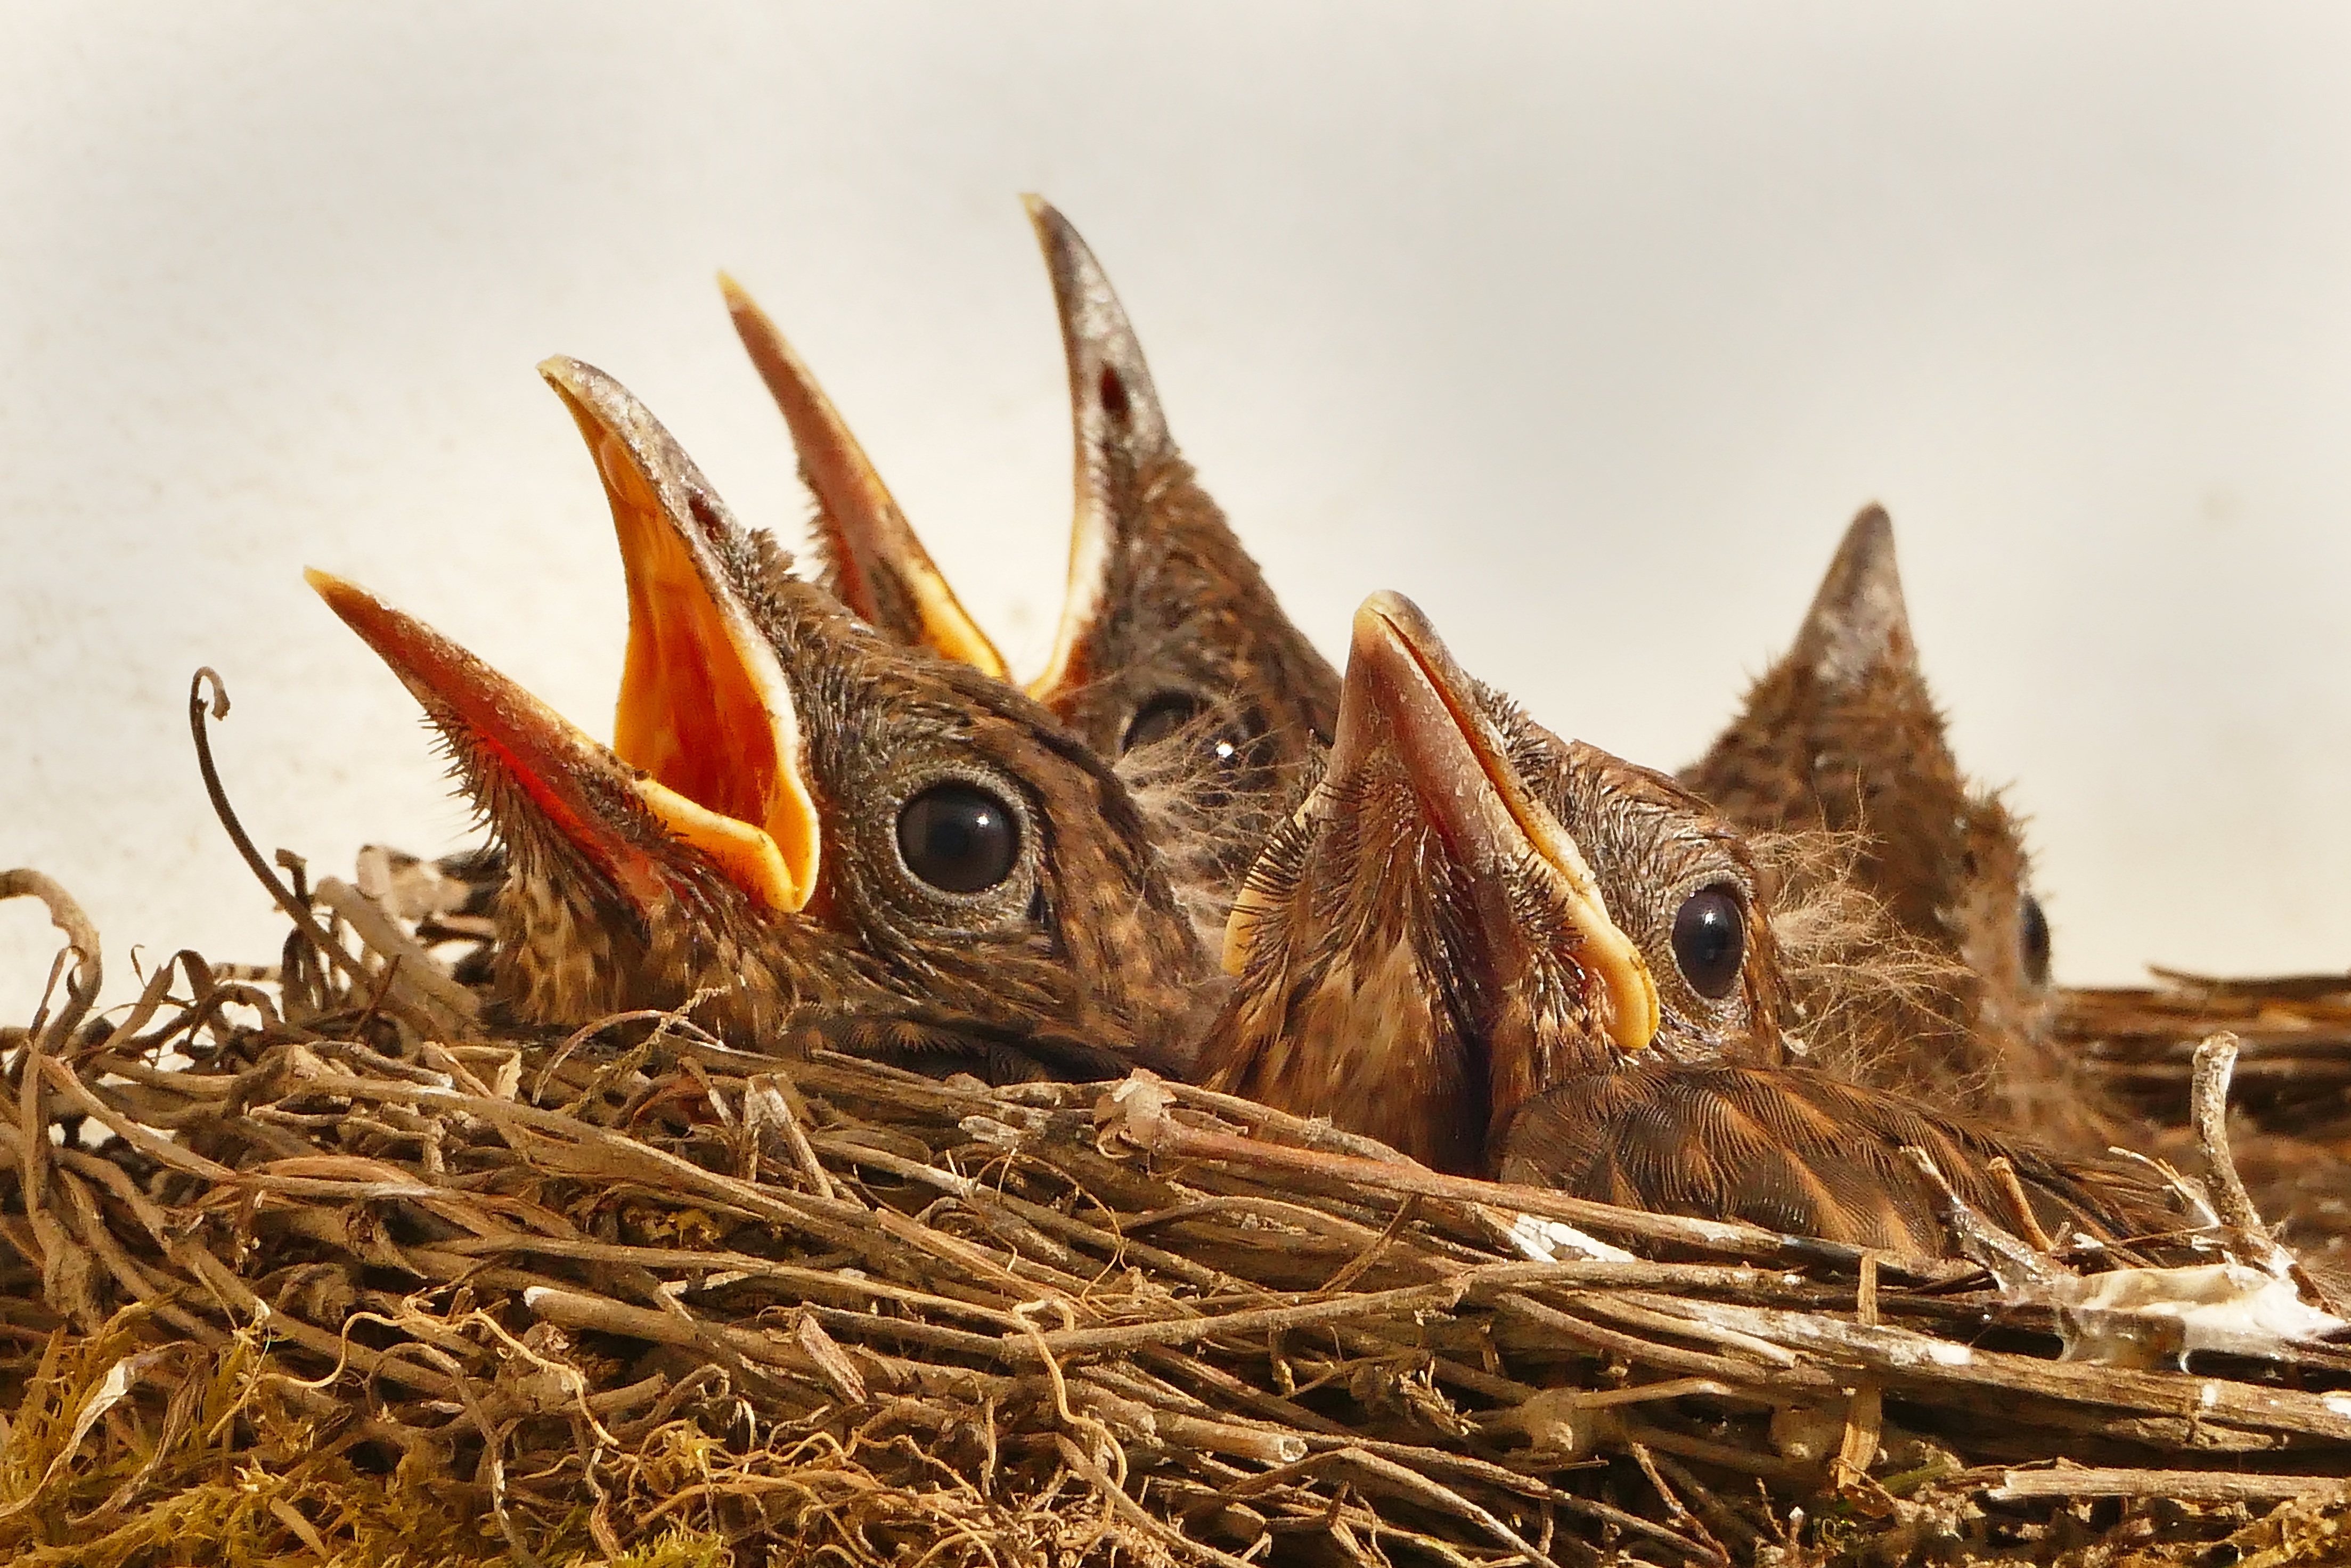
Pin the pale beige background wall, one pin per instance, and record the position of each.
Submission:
(1589, 327)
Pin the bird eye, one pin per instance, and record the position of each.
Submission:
(2032, 941)
(1160, 717)
(1711, 941)
(958, 837)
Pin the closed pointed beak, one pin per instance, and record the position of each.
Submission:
(1404, 689)
(1116, 421)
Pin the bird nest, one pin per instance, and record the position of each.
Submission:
(309, 1267)
(2294, 1072)
(309, 1263)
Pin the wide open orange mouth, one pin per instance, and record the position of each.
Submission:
(578, 787)
(704, 708)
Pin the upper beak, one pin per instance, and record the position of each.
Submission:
(1114, 410)
(612, 812)
(1858, 621)
(1404, 689)
(705, 705)
(881, 562)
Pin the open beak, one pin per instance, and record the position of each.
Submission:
(704, 707)
(1117, 422)
(507, 738)
(1404, 692)
(882, 564)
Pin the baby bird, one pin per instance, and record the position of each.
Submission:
(1842, 733)
(1172, 652)
(1510, 955)
(796, 816)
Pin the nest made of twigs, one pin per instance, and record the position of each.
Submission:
(311, 1272)
(2294, 1072)
(308, 1264)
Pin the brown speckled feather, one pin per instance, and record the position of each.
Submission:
(1799, 1152)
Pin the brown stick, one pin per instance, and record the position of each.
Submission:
(1649, 1353)
(2209, 1103)
(2186, 1486)
(1919, 1362)
(1260, 1321)
(294, 909)
(418, 975)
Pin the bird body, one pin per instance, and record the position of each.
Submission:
(779, 734)
(1172, 654)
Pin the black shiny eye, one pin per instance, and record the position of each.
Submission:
(1711, 941)
(959, 838)
(1160, 717)
(2032, 941)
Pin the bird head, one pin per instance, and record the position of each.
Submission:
(1466, 909)
(1842, 733)
(1170, 635)
(795, 812)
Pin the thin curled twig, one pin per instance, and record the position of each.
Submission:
(294, 909)
(82, 942)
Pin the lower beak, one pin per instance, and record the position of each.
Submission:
(621, 820)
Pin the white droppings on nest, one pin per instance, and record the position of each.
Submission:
(2232, 1307)
(2256, 1301)
(1544, 1240)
